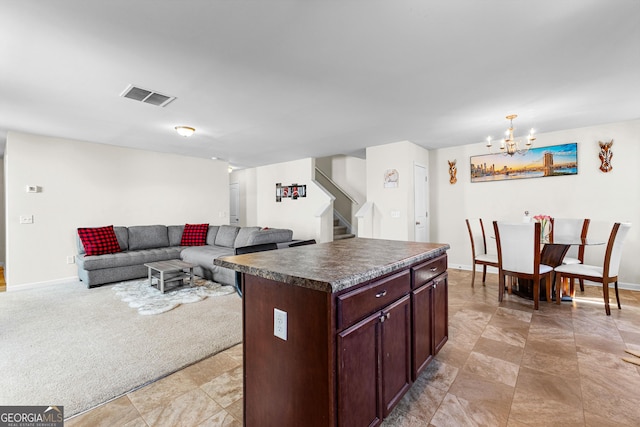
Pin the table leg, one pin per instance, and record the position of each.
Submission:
(161, 282)
(150, 277)
(190, 276)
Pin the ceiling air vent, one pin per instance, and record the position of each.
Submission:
(147, 96)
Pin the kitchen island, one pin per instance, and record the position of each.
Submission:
(334, 334)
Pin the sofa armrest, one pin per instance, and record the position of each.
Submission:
(270, 235)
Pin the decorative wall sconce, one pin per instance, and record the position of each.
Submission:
(453, 170)
(605, 156)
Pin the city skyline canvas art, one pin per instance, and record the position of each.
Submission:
(538, 162)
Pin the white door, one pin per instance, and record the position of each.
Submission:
(421, 189)
(234, 203)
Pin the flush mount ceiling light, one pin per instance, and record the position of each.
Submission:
(185, 130)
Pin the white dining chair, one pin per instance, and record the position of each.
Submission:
(605, 273)
(571, 229)
(479, 253)
(519, 257)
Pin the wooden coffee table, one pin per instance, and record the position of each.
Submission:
(168, 272)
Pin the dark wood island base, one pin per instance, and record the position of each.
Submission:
(363, 318)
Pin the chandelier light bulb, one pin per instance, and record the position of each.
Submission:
(509, 145)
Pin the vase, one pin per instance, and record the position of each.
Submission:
(545, 232)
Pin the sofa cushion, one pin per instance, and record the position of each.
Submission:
(175, 234)
(99, 240)
(211, 235)
(194, 235)
(148, 237)
(226, 236)
(204, 255)
(125, 259)
(270, 235)
(243, 236)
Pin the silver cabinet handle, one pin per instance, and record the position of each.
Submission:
(433, 269)
(381, 294)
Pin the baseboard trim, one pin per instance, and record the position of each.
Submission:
(36, 285)
(621, 285)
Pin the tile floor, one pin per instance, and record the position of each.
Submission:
(504, 365)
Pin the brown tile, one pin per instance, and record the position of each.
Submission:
(221, 419)
(544, 399)
(236, 409)
(515, 335)
(188, 409)
(439, 374)
(160, 393)
(457, 411)
(235, 352)
(561, 365)
(489, 401)
(499, 349)
(492, 369)
(117, 412)
(203, 371)
(422, 400)
(226, 388)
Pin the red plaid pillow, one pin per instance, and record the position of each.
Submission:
(99, 240)
(194, 235)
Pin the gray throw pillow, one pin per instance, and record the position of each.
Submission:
(175, 234)
(226, 236)
(211, 234)
(244, 235)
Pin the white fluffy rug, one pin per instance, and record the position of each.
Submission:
(149, 300)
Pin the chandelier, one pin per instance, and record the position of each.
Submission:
(509, 145)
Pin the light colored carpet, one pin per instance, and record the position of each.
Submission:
(77, 347)
(149, 300)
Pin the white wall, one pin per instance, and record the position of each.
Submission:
(84, 185)
(604, 197)
(258, 187)
(401, 156)
(2, 214)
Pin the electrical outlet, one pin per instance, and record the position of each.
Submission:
(280, 324)
(71, 259)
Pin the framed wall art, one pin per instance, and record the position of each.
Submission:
(555, 160)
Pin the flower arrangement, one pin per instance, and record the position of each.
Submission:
(545, 226)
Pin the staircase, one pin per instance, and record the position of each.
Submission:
(340, 231)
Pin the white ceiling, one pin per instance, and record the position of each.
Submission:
(267, 81)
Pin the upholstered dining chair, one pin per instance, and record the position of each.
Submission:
(479, 253)
(571, 229)
(519, 257)
(605, 273)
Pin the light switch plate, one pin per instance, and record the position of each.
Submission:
(280, 324)
(26, 219)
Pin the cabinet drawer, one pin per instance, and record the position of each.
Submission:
(355, 305)
(424, 272)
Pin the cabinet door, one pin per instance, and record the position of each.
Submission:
(440, 312)
(422, 312)
(396, 352)
(359, 391)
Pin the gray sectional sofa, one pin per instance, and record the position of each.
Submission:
(148, 243)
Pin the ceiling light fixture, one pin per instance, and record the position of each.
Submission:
(509, 145)
(185, 130)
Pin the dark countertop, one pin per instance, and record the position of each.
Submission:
(334, 266)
